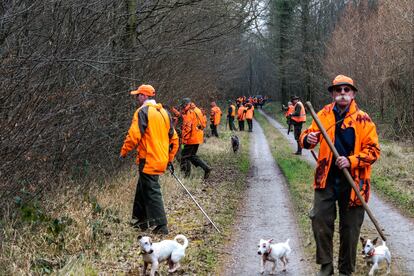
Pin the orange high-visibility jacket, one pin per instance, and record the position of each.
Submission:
(215, 115)
(233, 110)
(151, 133)
(366, 149)
(302, 116)
(241, 115)
(193, 125)
(291, 109)
(249, 111)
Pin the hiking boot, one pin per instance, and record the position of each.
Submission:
(160, 229)
(207, 172)
(326, 270)
(143, 226)
(298, 153)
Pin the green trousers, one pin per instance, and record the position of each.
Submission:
(148, 207)
(323, 216)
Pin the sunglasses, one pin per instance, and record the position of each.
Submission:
(339, 89)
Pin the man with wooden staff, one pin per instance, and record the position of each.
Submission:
(355, 138)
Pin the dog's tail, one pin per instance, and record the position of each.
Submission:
(288, 246)
(183, 238)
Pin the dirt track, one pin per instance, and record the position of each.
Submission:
(399, 229)
(266, 213)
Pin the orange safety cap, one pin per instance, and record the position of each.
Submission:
(342, 80)
(144, 89)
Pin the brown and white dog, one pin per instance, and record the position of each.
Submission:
(272, 252)
(375, 255)
(166, 250)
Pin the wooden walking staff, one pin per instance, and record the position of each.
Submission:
(345, 170)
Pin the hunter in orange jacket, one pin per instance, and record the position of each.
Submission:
(215, 116)
(365, 152)
(297, 118)
(153, 136)
(249, 112)
(355, 138)
(241, 116)
(193, 127)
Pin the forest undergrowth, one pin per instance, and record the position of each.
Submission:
(80, 231)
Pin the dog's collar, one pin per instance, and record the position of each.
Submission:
(270, 251)
(371, 252)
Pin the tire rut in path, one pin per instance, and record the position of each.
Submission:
(267, 213)
(398, 228)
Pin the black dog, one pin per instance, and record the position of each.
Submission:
(235, 143)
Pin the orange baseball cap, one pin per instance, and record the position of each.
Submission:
(342, 80)
(144, 89)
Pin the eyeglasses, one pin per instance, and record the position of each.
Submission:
(339, 89)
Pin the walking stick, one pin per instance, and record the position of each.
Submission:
(345, 170)
(198, 205)
(314, 155)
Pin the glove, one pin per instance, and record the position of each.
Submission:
(170, 167)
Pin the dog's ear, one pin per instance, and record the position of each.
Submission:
(271, 241)
(362, 240)
(374, 242)
(139, 237)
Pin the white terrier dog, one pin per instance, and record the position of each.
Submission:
(375, 255)
(272, 252)
(166, 250)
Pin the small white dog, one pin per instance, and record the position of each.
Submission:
(166, 250)
(272, 252)
(375, 255)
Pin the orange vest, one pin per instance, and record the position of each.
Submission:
(290, 110)
(366, 149)
(302, 115)
(233, 110)
(151, 133)
(193, 125)
(215, 115)
(249, 111)
(241, 116)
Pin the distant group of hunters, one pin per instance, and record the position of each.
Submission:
(159, 134)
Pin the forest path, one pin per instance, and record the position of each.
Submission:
(267, 213)
(398, 228)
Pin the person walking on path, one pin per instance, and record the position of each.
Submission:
(153, 135)
(215, 117)
(355, 138)
(297, 118)
(289, 111)
(241, 116)
(231, 114)
(249, 113)
(192, 136)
